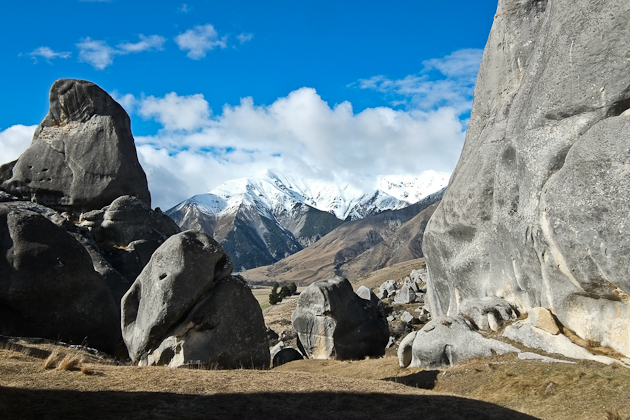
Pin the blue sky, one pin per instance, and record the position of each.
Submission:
(223, 89)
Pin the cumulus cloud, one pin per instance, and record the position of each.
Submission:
(15, 140)
(299, 134)
(47, 54)
(244, 37)
(199, 40)
(185, 8)
(96, 53)
(146, 43)
(99, 54)
(453, 87)
(176, 112)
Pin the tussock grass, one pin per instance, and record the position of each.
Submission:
(70, 362)
(51, 361)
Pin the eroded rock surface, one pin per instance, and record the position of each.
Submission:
(82, 156)
(48, 283)
(446, 341)
(332, 322)
(185, 308)
(536, 209)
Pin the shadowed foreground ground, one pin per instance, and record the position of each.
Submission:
(67, 404)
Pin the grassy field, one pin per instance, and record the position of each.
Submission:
(500, 387)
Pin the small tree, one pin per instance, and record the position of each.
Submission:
(292, 288)
(274, 297)
(284, 292)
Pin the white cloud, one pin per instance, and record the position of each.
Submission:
(128, 101)
(47, 54)
(298, 134)
(423, 91)
(244, 37)
(15, 140)
(185, 8)
(96, 53)
(99, 54)
(461, 63)
(146, 43)
(176, 112)
(199, 40)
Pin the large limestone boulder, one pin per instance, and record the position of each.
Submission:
(224, 330)
(536, 209)
(185, 308)
(82, 156)
(49, 286)
(332, 322)
(446, 341)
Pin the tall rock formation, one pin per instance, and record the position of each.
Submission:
(536, 210)
(63, 269)
(82, 156)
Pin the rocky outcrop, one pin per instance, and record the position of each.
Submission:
(82, 156)
(128, 232)
(48, 283)
(185, 308)
(536, 209)
(332, 322)
(446, 341)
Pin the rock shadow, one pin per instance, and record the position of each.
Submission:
(25, 404)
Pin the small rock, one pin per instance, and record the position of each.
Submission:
(542, 318)
(405, 295)
(407, 317)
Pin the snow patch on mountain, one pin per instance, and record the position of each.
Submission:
(271, 193)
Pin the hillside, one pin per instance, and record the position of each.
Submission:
(355, 248)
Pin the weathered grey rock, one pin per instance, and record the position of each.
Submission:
(48, 284)
(418, 275)
(536, 209)
(404, 349)
(276, 348)
(390, 342)
(412, 284)
(542, 318)
(407, 317)
(534, 356)
(523, 332)
(332, 322)
(82, 156)
(366, 293)
(405, 295)
(446, 341)
(179, 274)
(272, 337)
(128, 232)
(224, 330)
(488, 312)
(389, 286)
(286, 355)
(128, 219)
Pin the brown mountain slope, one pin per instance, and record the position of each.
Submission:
(354, 249)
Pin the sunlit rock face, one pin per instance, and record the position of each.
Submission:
(536, 211)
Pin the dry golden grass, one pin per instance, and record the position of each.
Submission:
(485, 388)
(70, 362)
(51, 361)
(128, 392)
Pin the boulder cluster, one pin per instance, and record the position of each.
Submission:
(84, 259)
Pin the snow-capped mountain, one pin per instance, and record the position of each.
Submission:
(264, 218)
